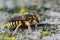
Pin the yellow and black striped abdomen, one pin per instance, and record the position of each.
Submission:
(13, 25)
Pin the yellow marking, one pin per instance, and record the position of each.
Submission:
(19, 22)
(10, 25)
(30, 17)
(27, 23)
(34, 22)
(23, 16)
(16, 22)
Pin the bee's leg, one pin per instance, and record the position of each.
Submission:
(29, 28)
(16, 29)
(35, 23)
(36, 27)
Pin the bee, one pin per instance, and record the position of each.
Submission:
(21, 22)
